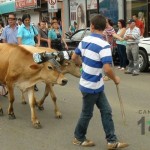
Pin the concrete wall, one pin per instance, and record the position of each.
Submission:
(65, 16)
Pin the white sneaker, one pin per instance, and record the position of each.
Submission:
(122, 69)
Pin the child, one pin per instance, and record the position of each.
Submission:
(96, 54)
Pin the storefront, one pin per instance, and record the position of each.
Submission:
(113, 9)
(29, 7)
(87, 8)
(5, 8)
(142, 9)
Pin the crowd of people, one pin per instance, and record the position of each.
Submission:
(127, 39)
(22, 31)
(96, 51)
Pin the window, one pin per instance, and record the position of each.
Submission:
(138, 7)
(78, 35)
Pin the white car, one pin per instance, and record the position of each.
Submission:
(144, 54)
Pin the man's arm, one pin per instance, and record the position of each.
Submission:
(4, 41)
(19, 40)
(108, 70)
(77, 59)
(117, 36)
(142, 28)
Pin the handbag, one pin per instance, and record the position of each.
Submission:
(35, 38)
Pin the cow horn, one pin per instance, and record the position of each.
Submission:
(43, 57)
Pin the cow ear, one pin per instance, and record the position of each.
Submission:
(35, 66)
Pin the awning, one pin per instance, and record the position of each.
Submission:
(7, 7)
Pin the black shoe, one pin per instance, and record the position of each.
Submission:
(35, 88)
(135, 74)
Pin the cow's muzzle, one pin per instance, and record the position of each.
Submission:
(64, 82)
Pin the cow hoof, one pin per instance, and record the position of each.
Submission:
(24, 102)
(1, 112)
(58, 115)
(37, 125)
(11, 116)
(41, 108)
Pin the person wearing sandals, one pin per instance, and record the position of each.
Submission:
(26, 34)
(121, 45)
(96, 54)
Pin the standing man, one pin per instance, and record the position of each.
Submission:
(132, 36)
(9, 34)
(43, 34)
(96, 54)
(139, 24)
(19, 22)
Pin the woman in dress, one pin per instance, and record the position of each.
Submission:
(80, 17)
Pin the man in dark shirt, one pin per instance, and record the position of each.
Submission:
(43, 32)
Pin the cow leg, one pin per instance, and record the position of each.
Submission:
(49, 89)
(32, 102)
(23, 98)
(11, 101)
(40, 103)
(54, 98)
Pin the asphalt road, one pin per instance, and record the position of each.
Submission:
(57, 134)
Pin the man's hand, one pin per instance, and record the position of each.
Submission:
(66, 46)
(109, 72)
(117, 80)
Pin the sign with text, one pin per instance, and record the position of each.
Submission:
(78, 13)
(52, 6)
(91, 4)
(24, 4)
(6, 1)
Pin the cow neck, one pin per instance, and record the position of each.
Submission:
(57, 77)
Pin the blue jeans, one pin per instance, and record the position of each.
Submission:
(122, 55)
(87, 112)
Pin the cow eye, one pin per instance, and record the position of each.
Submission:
(49, 67)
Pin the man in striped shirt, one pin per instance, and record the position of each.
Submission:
(96, 54)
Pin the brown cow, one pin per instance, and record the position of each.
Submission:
(17, 68)
(67, 66)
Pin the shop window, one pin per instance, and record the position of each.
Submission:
(109, 8)
(138, 7)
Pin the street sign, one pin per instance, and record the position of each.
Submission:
(27, 4)
(52, 6)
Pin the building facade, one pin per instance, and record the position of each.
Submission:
(113, 9)
(79, 11)
(140, 8)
